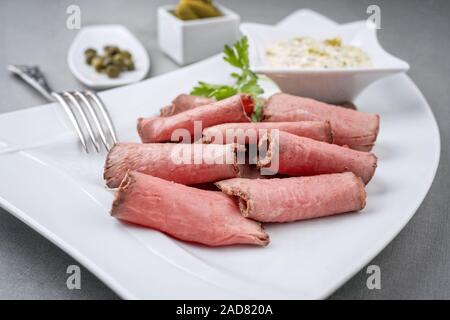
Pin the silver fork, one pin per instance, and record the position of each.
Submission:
(85, 109)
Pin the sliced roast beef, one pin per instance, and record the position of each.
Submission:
(160, 129)
(358, 130)
(208, 217)
(348, 105)
(250, 132)
(250, 171)
(297, 198)
(184, 102)
(182, 163)
(298, 156)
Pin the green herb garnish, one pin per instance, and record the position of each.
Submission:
(217, 91)
(246, 79)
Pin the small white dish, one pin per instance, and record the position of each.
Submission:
(330, 85)
(193, 40)
(97, 37)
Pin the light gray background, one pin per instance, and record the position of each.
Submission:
(415, 265)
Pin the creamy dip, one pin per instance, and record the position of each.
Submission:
(307, 52)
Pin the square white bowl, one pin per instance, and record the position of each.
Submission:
(329, 85)
(187, 41)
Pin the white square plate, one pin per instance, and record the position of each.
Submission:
(53, 186)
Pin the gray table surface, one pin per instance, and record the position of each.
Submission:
(416, 265)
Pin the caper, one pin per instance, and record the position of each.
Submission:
(90, 52)
(126, 54)
(111, 62)
(97, 63)
(89, 58)
(89, 55)
(111, 50)
(117, 60)
(107, 61)
(112, 71)
(129, 64)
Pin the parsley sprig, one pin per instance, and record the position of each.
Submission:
(246, 81)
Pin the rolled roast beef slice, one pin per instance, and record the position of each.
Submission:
(250, 132)
(356, 129)
(348, 105)
(184, 102)
(208, 217)
(299, 156)
(297, 198)
(160, 129)
(250, 171)
(170, 161)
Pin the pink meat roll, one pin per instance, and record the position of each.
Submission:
(250, 132)
(208, 217)
(299, 156)
(250, 171)
(348, 105)
(184, 102)
(160, 129)
(181, 163)
(358, 130)
(298, 198)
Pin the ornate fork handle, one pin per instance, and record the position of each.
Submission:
(34, 77)
(82, 108)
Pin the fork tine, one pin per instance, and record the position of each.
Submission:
(94, 117)
(72, 118)
(84, 118)
(104, 113)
